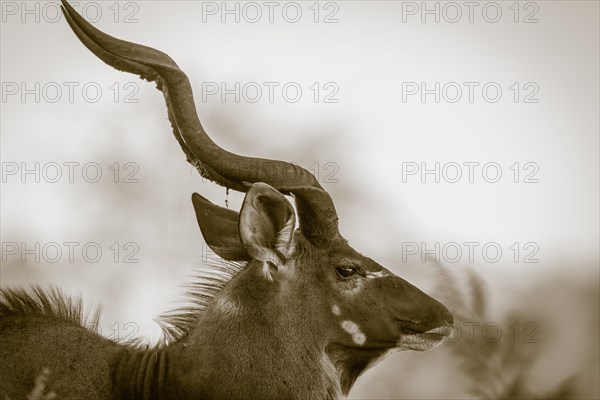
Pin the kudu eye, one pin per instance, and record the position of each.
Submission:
(345, 271)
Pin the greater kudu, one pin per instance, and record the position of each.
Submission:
(290, 313)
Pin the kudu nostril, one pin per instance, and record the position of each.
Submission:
(447, 316)
(441, 315)
(438, 315)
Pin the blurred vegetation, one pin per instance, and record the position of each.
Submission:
(497, 363)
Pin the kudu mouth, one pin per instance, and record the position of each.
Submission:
(420, 337)
(412, 328)
(425, 339)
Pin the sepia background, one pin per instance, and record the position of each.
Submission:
(529, 316)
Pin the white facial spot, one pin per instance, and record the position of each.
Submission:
(357, 336)
(350, 327)
(375, 275)
(336, 310)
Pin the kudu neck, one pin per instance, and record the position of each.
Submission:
(145, 375)
(252, 343)
(248, 344)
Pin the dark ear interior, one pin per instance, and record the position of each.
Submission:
(219, 226)
(267, 224)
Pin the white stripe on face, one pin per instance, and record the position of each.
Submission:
(375, 275)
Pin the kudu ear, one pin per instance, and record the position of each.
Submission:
(267, 224)
(219, 226)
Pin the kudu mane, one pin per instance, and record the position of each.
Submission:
(206, 283)
(52, 303)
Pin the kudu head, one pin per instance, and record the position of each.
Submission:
(302, 282)
(314, 282)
